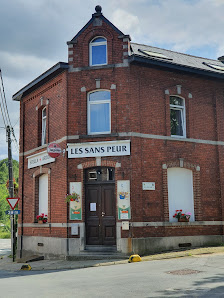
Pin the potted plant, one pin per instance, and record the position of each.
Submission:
(182, 217)
(42, 218)
(72, 197)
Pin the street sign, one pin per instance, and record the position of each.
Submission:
(12, 202)
(54, 150)
(12, 212)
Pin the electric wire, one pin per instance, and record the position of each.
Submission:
(3, 117)
(6, 108)
(16, 122)
(5, 103)
(5, 113)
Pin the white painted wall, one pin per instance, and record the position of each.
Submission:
(180, 192)
(43, 194)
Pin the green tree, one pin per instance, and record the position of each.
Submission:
(5, 219)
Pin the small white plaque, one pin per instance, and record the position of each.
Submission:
(124, 216)
(92, 206)
(75, 229)
(148, 185)
(125, 225)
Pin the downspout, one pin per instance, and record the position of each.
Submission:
(22, 192)
(66, 162)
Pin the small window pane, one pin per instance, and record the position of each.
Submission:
(99, 95)
(99, 39)
(99, 117)
(176, 101)
(44, 112)
(99, 55)
(176, 122)
(44, 131)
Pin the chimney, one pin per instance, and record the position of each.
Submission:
(221, 58)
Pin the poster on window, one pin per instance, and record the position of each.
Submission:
(75, 209)
(123, 199)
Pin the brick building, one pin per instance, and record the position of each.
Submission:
(142, 134)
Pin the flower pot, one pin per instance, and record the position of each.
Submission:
(40, 221)
(183, 219)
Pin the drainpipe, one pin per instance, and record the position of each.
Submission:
(22, 193)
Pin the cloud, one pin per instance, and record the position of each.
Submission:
(125, 21)
(26, 66)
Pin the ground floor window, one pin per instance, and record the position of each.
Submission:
(180, 192)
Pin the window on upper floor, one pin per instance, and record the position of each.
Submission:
(44, 126)
(98, 51)
(177, 116)
(99, 112)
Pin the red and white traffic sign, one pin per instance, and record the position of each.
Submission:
(12, 202)
(54, 150)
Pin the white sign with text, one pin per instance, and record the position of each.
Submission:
(94, 149)
(39, 159)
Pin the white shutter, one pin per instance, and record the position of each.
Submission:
(43, 194)
(180, 192)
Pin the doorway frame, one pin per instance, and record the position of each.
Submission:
(100, 185)
(118, 175)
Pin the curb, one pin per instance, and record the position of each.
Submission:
(49, 265)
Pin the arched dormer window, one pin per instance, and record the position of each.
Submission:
(98, 51)
(99, 115)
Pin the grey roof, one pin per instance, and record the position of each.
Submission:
(176, 59)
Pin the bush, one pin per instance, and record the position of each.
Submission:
(4, 233)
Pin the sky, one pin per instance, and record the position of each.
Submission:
(34, 35)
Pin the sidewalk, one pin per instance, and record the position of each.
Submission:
(7, 264)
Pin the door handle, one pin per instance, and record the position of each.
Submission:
(103, 214)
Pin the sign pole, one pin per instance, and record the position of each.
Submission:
(11, 189)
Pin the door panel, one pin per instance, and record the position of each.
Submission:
(100, 223)
(108, 219)
(92, 217)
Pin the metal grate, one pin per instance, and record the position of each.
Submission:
(183, 272)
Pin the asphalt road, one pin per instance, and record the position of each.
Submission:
(182, 277)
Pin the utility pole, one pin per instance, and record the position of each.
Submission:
(11, 188)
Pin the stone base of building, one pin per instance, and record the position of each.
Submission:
(51, 247)
(149, 245)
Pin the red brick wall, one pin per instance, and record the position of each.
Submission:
(138, 104)
(54, 95)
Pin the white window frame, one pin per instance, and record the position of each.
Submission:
(92, 44)
(97, 102)
(44, 127)
(180, 108)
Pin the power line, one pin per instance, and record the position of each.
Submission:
(4, 111)
(3, 90)
(3, 117)
(16, 122)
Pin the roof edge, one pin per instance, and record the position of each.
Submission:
(174, 66)
(43, 78)
(94, 16)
